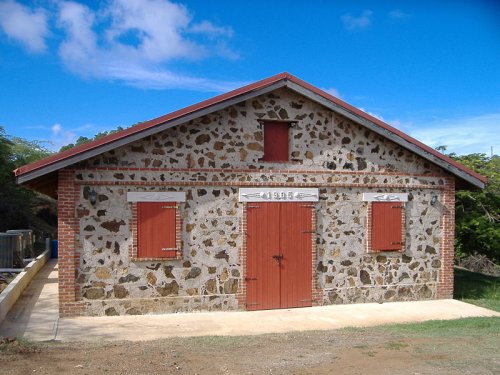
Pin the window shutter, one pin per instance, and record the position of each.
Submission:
(386, 226)
(276, 141)
(157, 227)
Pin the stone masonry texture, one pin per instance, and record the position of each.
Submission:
(210, 159)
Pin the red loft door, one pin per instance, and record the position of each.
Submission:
(279, 270)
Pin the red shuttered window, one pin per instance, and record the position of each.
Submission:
(276, 141)
(157, 230)
(386, 226)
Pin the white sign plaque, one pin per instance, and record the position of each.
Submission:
(385, 197)
(284, 194)
(140, 196)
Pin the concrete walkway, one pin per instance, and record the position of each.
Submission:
(35, 314)
(35, 317)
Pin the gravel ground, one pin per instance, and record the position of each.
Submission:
(348, 351)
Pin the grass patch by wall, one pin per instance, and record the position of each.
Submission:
(479, 327)
(478, 289)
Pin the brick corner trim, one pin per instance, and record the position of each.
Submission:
(445, 284)
(70, 303)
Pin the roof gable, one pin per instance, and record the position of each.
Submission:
(55, 162)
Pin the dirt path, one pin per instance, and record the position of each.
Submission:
(361, 351)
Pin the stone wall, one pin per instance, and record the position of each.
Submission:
(233, 138)
(206, 278)
(349, 274)
(210, 159)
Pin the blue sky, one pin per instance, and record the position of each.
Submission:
(71, 68)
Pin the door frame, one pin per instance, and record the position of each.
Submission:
(316, 291)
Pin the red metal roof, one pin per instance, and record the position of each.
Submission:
(221, 98)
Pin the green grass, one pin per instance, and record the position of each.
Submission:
(458, 346)
(395, 345)
(446, 328)
(474, 327)
(478, 289)
(18, 345)
(486, 303)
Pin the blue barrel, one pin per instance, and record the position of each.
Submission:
(53, 249)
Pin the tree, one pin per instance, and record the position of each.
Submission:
(82, 140)
(24, 152)
(16, 201)
(478, 212)
(5, 152)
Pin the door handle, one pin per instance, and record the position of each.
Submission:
(278, 258)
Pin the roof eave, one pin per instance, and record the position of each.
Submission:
(386, 133)
(161, 126)
(25, 174)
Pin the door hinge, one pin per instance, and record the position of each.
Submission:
(307, 205)
(248, 206)
(397, 243)
(397, 206)
(306, 300)
(250, 278)
(252, 304)
(309, 231)
(168, 207)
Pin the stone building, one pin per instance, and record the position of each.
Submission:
(274, 195)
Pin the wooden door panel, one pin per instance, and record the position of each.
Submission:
(262, 243)
(278, 229)
(296, 269)
(386, 226)
(156, 229)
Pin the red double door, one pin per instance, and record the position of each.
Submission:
(279, 255)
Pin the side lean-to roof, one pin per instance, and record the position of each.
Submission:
(42, 176)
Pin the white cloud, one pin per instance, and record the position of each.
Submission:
(136, 40)
(132, 41)
(158, 27)
(26, 26)
(357, 23)
(78, 51)
(211, 30)
(55, 136)
(139, 76)
(397, 14)
(60, 137)
(376, 115)
(332, 91)
(465, 135)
